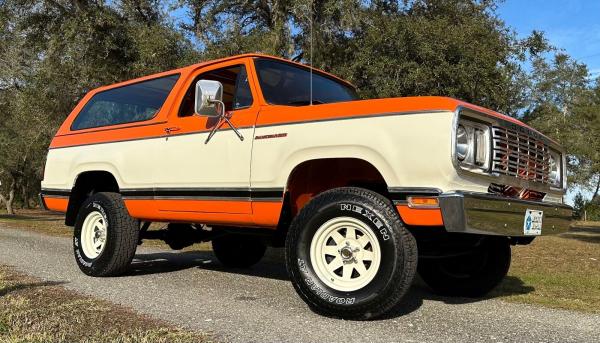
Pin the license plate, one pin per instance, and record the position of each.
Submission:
(532, 226)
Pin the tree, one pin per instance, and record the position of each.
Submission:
(52, 53)
(565, 106)
(386, 48)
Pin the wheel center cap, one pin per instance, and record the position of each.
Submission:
(346, 253)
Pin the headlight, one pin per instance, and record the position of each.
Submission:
(473, 145)
(462, 143)
(555, 169)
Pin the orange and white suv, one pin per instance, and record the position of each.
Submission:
(254, 151)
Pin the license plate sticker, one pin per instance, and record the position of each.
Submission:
(532, 226)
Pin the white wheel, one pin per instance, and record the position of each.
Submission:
(345, 254)
(93, 234)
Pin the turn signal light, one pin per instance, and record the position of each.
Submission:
(423, 202)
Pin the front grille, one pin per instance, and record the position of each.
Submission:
(520, 155)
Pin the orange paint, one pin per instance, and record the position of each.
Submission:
(269, 114)
(56, 204)
(266, 214)
(216, 212)
(420, 217)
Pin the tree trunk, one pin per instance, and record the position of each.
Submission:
(597, 189)
(25, 196)
(9, 202)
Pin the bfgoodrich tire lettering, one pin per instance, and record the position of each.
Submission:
(397, 247)
(121, 236)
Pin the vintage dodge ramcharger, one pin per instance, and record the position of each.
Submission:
(254, 151)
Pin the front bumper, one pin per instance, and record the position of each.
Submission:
(489, 214)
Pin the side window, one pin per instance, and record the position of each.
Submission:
(286, 84)
(132, 103)
(236, 89)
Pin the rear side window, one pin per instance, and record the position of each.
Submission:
(132, 103)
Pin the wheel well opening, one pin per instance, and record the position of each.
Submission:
(87, 184)
(316, 176)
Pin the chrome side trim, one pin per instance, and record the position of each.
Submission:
(488, 214)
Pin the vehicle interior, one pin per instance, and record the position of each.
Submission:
(236, 89)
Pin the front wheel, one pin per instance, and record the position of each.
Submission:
(348, 254)
(469, 275)
(105, 236)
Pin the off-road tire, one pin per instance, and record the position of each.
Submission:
(238, 251)
(471, 275)
(398, 248)
(122, 236)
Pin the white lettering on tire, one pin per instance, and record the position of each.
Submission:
(321, 292)
(372, 217)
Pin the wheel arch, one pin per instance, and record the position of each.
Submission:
(314, 176)
(86, 183)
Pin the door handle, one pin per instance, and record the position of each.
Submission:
(172, 129)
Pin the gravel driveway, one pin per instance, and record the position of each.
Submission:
(260, 305)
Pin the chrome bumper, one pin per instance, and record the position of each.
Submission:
(494, 215)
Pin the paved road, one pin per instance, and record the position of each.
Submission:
(260, 305)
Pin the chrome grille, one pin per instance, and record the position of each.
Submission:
(520, 155)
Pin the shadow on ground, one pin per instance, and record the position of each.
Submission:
(593, 238)
(273, 267)
(22, 286)
(587, 234)
(34, 218)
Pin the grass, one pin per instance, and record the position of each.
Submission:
(51, 223)
(39, 221)
(35, 311)
(554, 271)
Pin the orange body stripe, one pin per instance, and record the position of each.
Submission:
(265, 214)
(56, 204)
(209, 206)
(269, 114)
(420, 217)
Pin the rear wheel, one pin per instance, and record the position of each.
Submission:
(238, 251)
(349, 255)
(469, 275)
(105, 236)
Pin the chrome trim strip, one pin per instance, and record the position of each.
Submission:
(364, 116)
(226, 194)
(55, 192)
(243, 194)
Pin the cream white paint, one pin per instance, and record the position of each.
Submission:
(409, 150)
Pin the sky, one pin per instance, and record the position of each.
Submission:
(572, 25)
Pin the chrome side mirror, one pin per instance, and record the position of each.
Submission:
(209, 98)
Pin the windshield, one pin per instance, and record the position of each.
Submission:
(285, 84)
